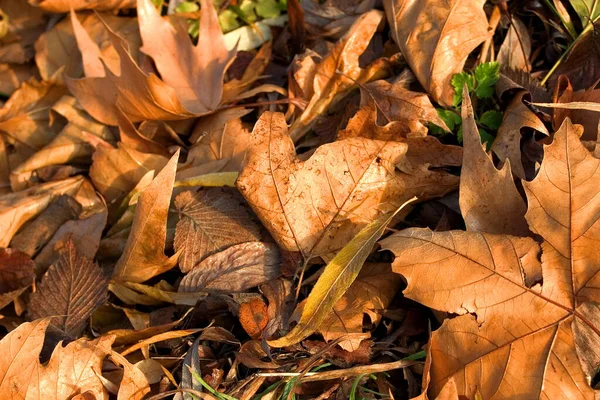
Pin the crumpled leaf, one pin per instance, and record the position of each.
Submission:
(339, 71)
(234, 270)
(210, 221)
(335, 281)
(319, 205)
(253, 316)
(515, 333)
(71, 290)
(194, 72)
(71, 369)
(25, 24)
(371, 292)
(564, 93)
(63, 6)
(489, 200)
(17, 208)
(515, 51)
(17, 273)
(143, 256)
(436, 37)
(507, 144)
(331, 17)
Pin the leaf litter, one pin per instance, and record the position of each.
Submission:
(301, 199)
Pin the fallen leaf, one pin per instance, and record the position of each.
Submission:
(17, 273)
(63, 6)
(17, 208)
(134, 385)
(210, 221)
(25, 24)
(234, 270)
(371, 292)
(143, 257)
(319, 205)
(515, 51)
(71, 370)
(13, 75)
(507, 144)
(564, 94)
(333, 18)
(280, 297)
(335, 281)
(582, 64)
(253, 316)
(511, 307)
(489, 200)
(340, 71)
(70, 291)
(237, 88)
(436, 37)
(195, 72)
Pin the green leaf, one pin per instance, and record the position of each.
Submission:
(458, 81)
(267, 9)
(228, 20)
(450, 118)
(491, 119)
(335, 280)
(486, 74)
(486, 139)
(247, 9)
(588, 10)
(187, 6)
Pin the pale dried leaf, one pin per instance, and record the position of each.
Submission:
(143, 256)
(515, 51)
(210, 221)
(62, 6)
(587, 118)
(235, 269)
(436, 37)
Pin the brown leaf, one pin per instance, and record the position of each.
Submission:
(194, 72)
(16, 274)
(25, 24)
(12, 76)
(340, 71)
(143, 256)
(71, 370)
(489, 200)
(515, 333)
(370, 294)
(210, 221)
(134, 385)
(317, 206)
(515, 51)
(253, 316)
(235, 269)
(332, 17)
(63, 6)
(507, 144)
(436, 37)
(564, 93)
(71, 290)
(57, 53)
(17, 208)
(395, 103)
(280, 297)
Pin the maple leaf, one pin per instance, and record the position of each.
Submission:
(317, 206)
(525, 326)
(70, 291)
(436, 37)
(211, 221)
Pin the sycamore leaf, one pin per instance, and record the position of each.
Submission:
(507, 145)
(371, 292)
(195, 72)
(482, 208)
(339, 71)
(234, 270)
(436, 37)
(143, 256)
(71, 290)
(17, 208)
(335, 280)
(71, 370)
(210, 221)
(520, 323)
(63, 6)
(319, 205)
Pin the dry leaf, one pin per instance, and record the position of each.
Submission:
(63, 6)
(588, 119)
(17, 208)
(71, 290)
(25, 24)
(71, 370)
(143, 257)
(194, 72)
(319, 205)
(280, 297)
(582, 64)
(340, 71)
(371, 292)
(507, 144)
(489, 200)
(234, 270)
(17, 273)
(515, 335)
(134, 385)
(333, 17)
(13, 75)
(515, 51)
(253, 316)
(210, 221)
(436, 37)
